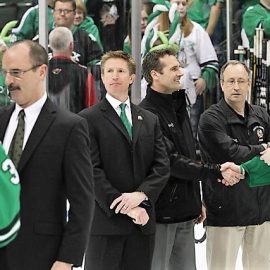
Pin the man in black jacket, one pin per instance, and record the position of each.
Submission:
(70, 84)
(179, 204)
(233, 130)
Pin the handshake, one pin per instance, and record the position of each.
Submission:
(233, 173)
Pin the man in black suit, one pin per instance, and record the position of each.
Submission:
(54, 167)
(130, 169)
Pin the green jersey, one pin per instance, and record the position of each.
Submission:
(28, 27)
(199, 11)
(9, 199)
(89, 26)
(247, 3)
(256, 16)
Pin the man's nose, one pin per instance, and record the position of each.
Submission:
(9, 79)
(180, 72)
(115, 75)
(236, 85)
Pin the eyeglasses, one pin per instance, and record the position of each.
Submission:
(232, 82)
(17, 73)
(65, 11)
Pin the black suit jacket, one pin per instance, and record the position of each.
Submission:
(121, 165)
(55, 165)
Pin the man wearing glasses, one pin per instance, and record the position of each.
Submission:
(233, 130)
(28, 26)
(50, 149)
(86, 51)
(60, 13)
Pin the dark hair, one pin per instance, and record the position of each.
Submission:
(148, 7)
(37, 54)
(73, 2)
(233, 63)
(152, 62)
(121, 55)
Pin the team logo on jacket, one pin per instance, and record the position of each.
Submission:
(56, 71)
(260, 132)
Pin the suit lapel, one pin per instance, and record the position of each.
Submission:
(44, 120)
(109, 113)
(4, 120)
(137, 120)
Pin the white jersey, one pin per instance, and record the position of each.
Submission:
(196, 53)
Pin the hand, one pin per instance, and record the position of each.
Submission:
(138, 215)
(61, 266)
(230, 165)
(200, 86)
(127, 201)
(201, 218)
(231, 174)
(265, 156)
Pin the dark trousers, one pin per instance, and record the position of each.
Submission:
(120, 252)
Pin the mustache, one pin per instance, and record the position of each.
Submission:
(13, 87)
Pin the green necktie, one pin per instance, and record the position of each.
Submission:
(124, 119)
(15, 149)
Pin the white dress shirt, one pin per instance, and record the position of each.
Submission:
(31, 115)
(115, 103)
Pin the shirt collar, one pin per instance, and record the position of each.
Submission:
(115, 102)
(34, 108)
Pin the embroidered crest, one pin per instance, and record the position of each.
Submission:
(260, 132)
(56, 71)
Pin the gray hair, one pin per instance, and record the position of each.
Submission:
(60, 39)
(233, 63)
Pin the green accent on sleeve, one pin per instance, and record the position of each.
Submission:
(258, 172)
(209, 75)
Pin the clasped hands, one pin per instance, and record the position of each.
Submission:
(231, 174)
(128, 204)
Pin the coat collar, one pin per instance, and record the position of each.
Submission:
(5, 115)
(45, 119)
(111, 115)
(234, 118)
(175, 101)
(43, 122)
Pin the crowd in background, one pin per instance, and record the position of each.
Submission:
(182, 57)
(197, 33)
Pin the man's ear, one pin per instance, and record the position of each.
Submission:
(154, 74)
(221, 85)
(71, 46)
(43, 69)
(132, 78)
